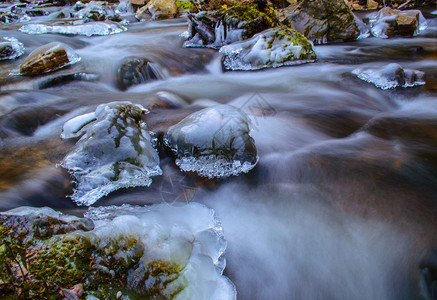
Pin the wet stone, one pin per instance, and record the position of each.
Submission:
(137, 71)
(48, 58)
(157, 9)
(213, 142)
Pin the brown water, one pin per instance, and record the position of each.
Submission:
(343, 201)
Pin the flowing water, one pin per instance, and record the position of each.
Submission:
(343, 201)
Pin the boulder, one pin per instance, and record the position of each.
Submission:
(391, 76)
(157, 9)
(48, 58)
(389, 22)
(114, 152)
(213, 142)
(275, 47)
(136, 71)
(322, 21)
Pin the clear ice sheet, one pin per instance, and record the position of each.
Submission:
(16, 48)
(87, 29)
(115, 151)
(213, 142)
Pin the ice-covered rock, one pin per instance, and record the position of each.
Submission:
(48, 58)
(151, 252)
(389, 22)
(213, 142)
(391, 76)
(87, 29)
(14, 13)
(115, 151)
(10, 48)
(271, 48)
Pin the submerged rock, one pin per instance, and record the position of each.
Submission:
(115, 151)
(10, 48)
(323, 21)
(213, 142)
(157, 9)
(391, 76)
(392, 22)
(156, 252)
(137, 71)
(87, 29)
(48, 58)
(233, 22)
(275, 47)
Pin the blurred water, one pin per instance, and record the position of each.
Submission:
(342, 203)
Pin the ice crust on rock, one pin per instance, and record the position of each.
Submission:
(270, 48)
(214, 142)
(186, 234)
(115, 151)
(10, 48)
(391, 76)
(87, 29)
(165, 251)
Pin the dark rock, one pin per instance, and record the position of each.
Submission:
(229, 24)
(48, 58)
(137, 71)
(66, 78)
(323, 21)
(10, 48)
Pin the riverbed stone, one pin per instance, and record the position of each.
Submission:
(48, 58)
(157, 9)
(136, 71)
(322, 21)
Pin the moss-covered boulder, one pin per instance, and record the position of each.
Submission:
(272, 48)
(213, 142)
(322, 21)
(157, 252)
(48, 58)
(228, 23)
(157, 9)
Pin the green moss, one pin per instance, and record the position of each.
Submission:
(249, 17)
(185, 6)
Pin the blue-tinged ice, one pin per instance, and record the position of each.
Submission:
(87, 29)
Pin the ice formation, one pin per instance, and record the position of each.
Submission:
(270, 48)
(10, 48)
(388, 22)
(214, 142)
(87, 29)
(391, 76)
(115, 151)
(165, 252)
